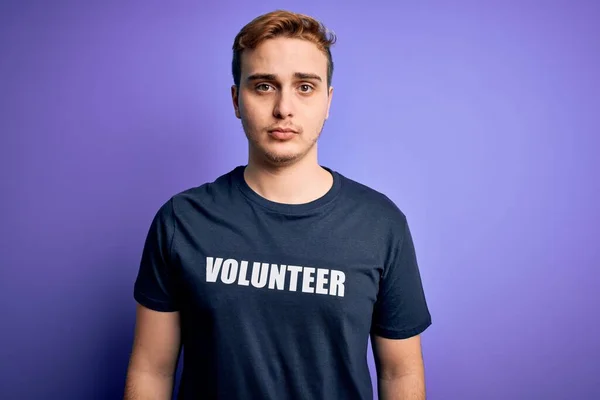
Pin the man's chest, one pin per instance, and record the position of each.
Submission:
(232, 271)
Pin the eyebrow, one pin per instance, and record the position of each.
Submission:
(272, 77)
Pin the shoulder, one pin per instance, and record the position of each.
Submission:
(201, 196)
(371, 201)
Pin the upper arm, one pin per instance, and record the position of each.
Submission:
(157, 338)
(401, 309)
(397, 357)
(401, 312)
(157, 341)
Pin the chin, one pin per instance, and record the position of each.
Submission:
(281, 158)
(280, 153)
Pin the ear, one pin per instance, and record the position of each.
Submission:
(235, 100)
(329, 96)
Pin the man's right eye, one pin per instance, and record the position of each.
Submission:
(263, 87)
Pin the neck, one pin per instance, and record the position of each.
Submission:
(298, 183)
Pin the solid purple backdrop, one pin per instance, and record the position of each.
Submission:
(480, 119)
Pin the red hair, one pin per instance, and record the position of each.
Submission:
(286, 24)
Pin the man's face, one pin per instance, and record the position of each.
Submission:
(283, 99)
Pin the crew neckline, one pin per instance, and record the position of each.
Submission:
(285, 208)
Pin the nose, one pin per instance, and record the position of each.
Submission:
(283, 105)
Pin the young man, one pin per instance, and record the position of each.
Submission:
(274, 276)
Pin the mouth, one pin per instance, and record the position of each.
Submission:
(284, 130)
(282, 133)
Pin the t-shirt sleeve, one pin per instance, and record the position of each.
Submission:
(401, 309)
(154, 285)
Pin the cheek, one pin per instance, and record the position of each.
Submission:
(252, 121)
(317, 115)
(252, 111)
(246, 111)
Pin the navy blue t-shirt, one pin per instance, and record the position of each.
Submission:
(277, 301)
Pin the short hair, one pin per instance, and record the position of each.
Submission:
(281, 23)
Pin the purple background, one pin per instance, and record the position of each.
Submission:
(480, 119)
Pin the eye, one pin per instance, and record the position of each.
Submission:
(306, 88)
(263, 87)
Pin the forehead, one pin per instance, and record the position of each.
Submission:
(285, 56)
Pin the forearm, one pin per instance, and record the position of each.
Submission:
(405, 387)
(141, 385)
